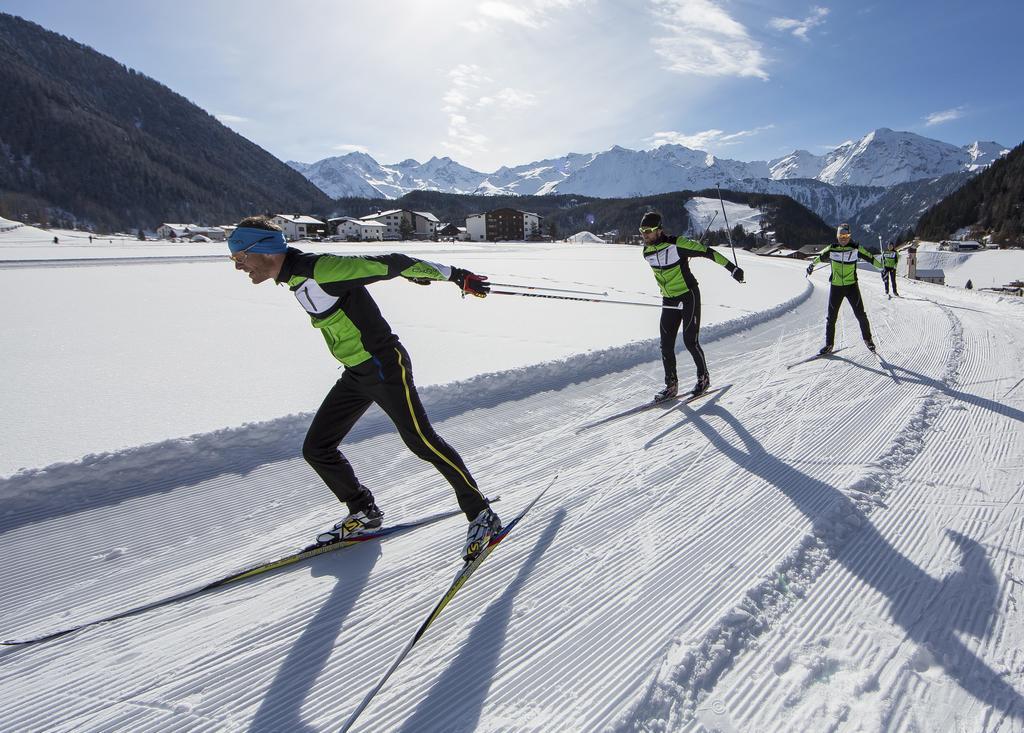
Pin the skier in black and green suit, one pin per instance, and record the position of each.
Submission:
(890, 261)
(332, 290)
(669, 258)
(843, 258)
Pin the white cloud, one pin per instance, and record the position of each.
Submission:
(469, 111)
(231, 119)
(800, 28)
(528, 13)
(705, 40)
(350, 148)
(706, 140)
(946, 115)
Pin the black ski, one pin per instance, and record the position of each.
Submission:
(304, 554)
(685, 398)
(816, 357)
(463, 575)
(689, 399)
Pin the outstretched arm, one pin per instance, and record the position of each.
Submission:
(868, 257)
(336, 273)
(690, 248)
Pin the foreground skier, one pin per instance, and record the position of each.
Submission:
(377, 367)
(843, 258)
(669, 257)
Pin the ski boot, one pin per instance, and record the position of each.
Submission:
(670, 391)
(870, 344)
(355, 523)
(826, 349)
(481, 530)
(702, 386)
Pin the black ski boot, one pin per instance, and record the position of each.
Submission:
(670, 391)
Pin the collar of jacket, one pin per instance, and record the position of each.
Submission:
(286, 267)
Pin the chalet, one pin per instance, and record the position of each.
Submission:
(932, 276)
(360, 230)
(300, 226)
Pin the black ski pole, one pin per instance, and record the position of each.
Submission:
(727, 232)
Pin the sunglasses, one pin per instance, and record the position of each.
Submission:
(241, 254)
(648, 230)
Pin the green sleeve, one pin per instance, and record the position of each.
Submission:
(337, 273)
(865, 255)
(821, 254)
(689, 248)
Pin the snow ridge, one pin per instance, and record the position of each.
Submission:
(107, 478)
(690, 672)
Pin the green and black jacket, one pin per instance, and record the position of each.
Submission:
(843, 258)
(890, 258)
(669, 257)
(332, 291)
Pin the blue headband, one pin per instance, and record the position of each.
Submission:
(257, 241)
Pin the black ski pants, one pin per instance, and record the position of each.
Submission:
(835, 299)
(889, 275)
(385, 379)
(689, 318)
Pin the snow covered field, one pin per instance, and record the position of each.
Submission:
(834, 546)
(987, 268)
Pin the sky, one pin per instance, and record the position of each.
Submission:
(501, 82)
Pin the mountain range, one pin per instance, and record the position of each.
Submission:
(881, 159)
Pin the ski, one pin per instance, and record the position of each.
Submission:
(689, 399)
(303, 554)
(815, 357)
(685, 398)
(463, 575)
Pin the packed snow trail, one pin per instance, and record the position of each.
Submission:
(829, 546)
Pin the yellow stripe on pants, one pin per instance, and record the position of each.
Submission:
(416, 424)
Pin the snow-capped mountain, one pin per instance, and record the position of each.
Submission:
(836, 185)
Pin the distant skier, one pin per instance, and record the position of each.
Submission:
(332, 291)
(669, 257)
(843, 258)
(890, 259)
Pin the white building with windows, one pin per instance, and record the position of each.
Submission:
(476, 227)
(351, 228)
(300, 226)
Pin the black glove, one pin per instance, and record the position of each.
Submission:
(810, 268)
(420, 280)
(470, 283)
(737, 274)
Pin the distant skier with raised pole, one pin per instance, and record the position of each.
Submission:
(890, 259)
(843, 258)
(669, 258)
(332, 290)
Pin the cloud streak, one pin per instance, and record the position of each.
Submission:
(946, 115)
(706, 140)
(700, 38)
(469, 110)
(800, 28)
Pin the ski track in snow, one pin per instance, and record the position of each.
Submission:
(809, 549)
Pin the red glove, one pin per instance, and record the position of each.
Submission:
(470, 283)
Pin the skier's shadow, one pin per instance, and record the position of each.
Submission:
(456, 700)
(917, 378)
(281, 708)
(930, 611)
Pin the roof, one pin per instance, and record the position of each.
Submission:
(427, 215)
(931, 273)
(299, 219)
(382, 213)
(380, 224)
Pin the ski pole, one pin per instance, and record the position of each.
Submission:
(544, 287)
(585, 300)
(727, 232)
(708, 227)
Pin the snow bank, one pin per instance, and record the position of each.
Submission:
(105, 478)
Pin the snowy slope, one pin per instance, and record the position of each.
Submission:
(788, 556)
(985, 269)
(702, 212)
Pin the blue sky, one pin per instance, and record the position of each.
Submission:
(513, 81)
